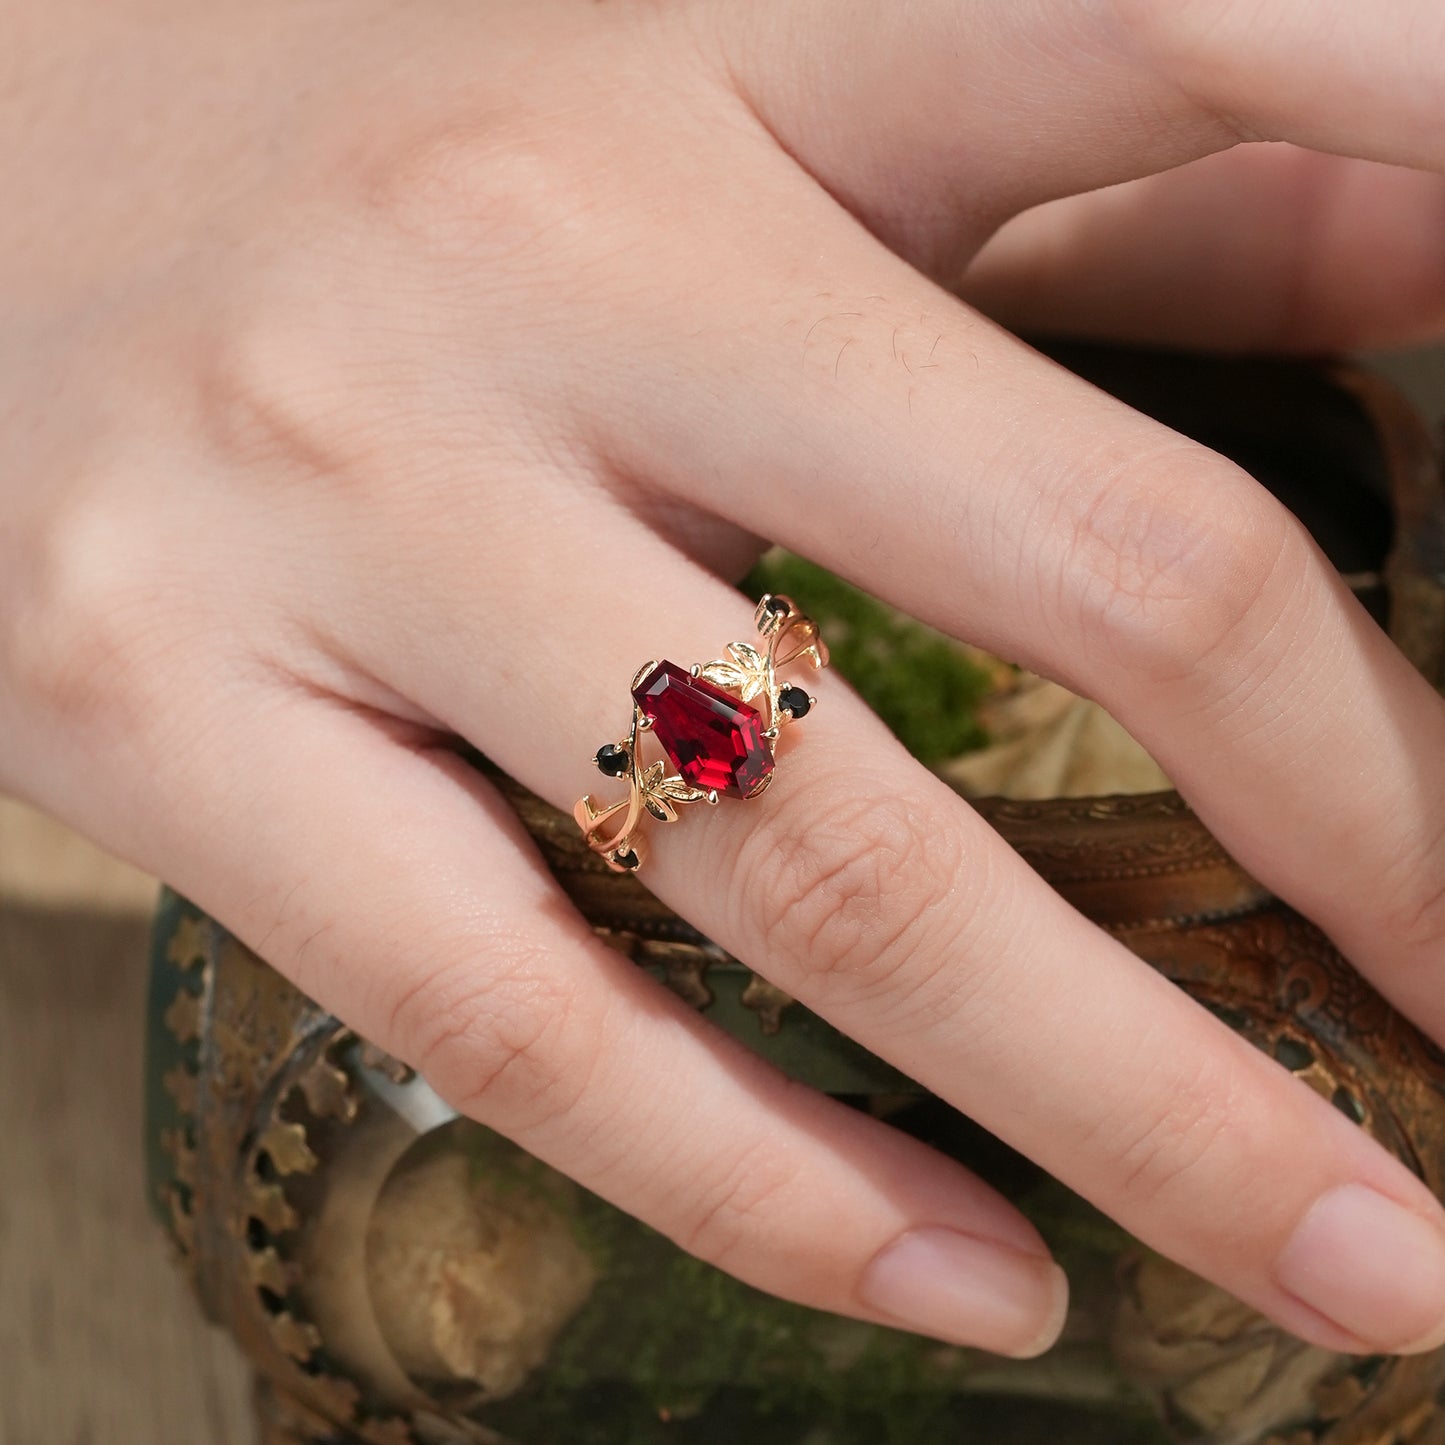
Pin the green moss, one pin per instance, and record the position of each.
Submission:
(671, 1351)
(921, 683)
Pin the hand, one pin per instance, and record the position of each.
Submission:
(375, 375)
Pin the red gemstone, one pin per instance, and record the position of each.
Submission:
(714, 740)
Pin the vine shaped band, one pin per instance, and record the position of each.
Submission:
(717, 723)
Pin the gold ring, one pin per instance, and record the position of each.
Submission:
(717, 722)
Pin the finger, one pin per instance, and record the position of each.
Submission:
(898, 440)
(879, 902)
(389, 881)
(1258, 248)
(902, 441)
(1010, 105)
(872, 893)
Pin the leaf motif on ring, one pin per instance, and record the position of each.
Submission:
(660, 794)
(746, 674)
(801, 633)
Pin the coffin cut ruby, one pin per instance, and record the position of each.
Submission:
(714, 740)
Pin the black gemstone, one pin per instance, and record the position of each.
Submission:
(794, 700)
(613, 760)
(777, 606)
(627, 860)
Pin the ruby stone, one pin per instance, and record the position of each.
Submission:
(713, 739)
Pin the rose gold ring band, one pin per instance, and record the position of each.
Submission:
(717, 724)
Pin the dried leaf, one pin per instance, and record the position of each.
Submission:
(1048, 743)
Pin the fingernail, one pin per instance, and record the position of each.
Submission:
(1371, 1266)
(969, 1291)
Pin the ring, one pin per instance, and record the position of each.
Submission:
(717, 722)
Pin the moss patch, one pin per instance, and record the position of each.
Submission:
(925, 686)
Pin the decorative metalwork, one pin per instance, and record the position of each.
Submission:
(748, 672)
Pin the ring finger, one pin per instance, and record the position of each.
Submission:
(933, 459)
(864, 887)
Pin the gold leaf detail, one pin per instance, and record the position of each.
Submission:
(187, 946)
(269, 1271)
(182, 1086)
(687, 977)
(660, 793)
(337, 1398)
(183, 1156)
(267, 1203)
(725, 675)
(754, 667)
(679, 790)
(328, 1091)
(183, 1017)
(768, 1001)
(287, 1146)
(297, 1338)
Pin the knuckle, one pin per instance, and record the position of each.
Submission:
(1163, 25)
(1170, 565)
(470, 186)
(87, 615)
(1196, 44)
(733, 1205)
(1173, 1145)
(847, 887)
(1413, 909)
(269, 397)
(499, 1040)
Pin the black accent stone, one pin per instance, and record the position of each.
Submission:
(613, 760)
(777, 606)
(794, 700)
(628, 860)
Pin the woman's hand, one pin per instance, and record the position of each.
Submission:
(374, 374)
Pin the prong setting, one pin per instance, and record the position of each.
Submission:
(708, 721)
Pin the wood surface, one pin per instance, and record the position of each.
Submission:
(101, 1342)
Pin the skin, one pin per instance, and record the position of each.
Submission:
(377, 375)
